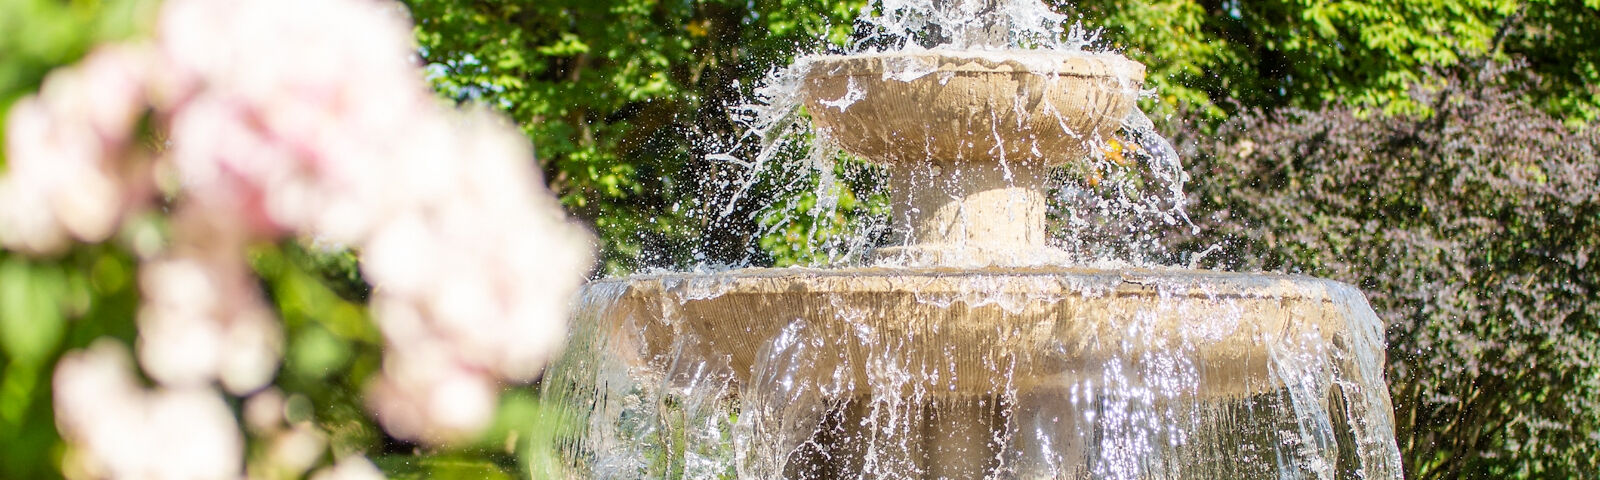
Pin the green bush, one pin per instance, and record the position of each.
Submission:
(1475, 233)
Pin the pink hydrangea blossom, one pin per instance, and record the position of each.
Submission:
(123, 430)
(71, 174)
(291, 118)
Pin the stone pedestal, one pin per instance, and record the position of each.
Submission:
(969, 214)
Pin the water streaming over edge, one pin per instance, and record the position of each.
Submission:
(706, 375)
(1110, 209)
(1079, 375)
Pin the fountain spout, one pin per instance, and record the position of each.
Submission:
(993, 29)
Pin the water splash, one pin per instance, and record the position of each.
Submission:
(1061, 368)
(1111, 208)
(1260, 377)
(967, 25)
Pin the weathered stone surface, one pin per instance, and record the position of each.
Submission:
(968, 137)
(993, 330)
(983, 106)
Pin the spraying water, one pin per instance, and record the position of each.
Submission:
(1002, 319)
(1109, 209)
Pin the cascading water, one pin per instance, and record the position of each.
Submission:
(993, 336)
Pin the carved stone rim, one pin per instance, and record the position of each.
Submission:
(939, 280)
(1043, 62)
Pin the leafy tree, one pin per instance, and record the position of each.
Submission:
(620, 98)
(1475, 233)
(1205, 56)
(623, 98)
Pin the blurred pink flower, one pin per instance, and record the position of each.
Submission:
(203, 322)
(425, 394)
(307, 103)
(304, 118)
(65, 147)
(125, 431)
(350, 468)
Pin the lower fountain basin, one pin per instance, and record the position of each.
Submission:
(956, 330)
(942, 373)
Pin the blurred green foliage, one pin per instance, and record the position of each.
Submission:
(332, 345)
(47, 308)
(38, 35)
(50, 306)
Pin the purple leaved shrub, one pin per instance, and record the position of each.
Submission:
(1475, 232)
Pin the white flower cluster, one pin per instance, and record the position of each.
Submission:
(284, 118)
(66, 149)
(131, 432)
(291, 447)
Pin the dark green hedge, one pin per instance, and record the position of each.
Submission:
(1475, 232)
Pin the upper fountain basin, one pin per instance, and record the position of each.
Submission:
(1025, 105)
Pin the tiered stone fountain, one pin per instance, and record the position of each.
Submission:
(967, 351)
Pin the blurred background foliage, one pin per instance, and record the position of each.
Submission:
(38, 35)
(1211, 58)
(621, 98)
(50, 306)
(1474, 232)
(1359, 140)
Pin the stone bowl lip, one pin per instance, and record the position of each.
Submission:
(1041, 62)
(1141, 281)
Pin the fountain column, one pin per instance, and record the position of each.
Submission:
(968, 139)
(959, 213)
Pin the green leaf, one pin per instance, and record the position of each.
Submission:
(31, 321)
(408, 467)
